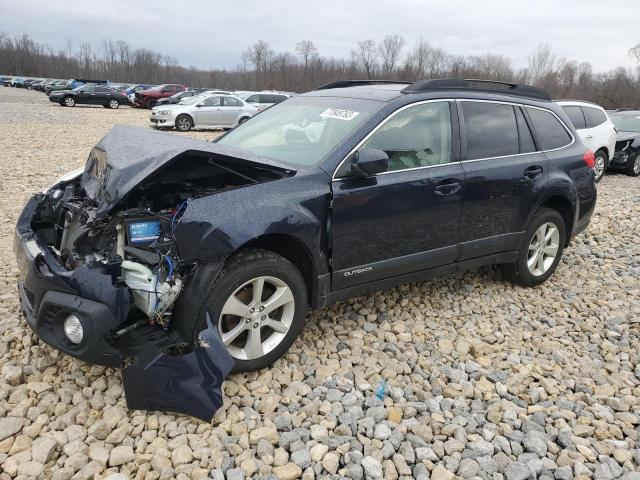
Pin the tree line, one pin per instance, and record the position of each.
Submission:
(304, 68)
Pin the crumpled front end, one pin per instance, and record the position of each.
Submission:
(102, 272)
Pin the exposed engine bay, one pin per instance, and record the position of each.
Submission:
(136, 245)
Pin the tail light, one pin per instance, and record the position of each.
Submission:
(589, 159)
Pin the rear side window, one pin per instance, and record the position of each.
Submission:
(576, 117)
(279, 98)
(524, 134)
(491, 130)
(549, 131)
(231, 102)
(593, 116)
(253, 99)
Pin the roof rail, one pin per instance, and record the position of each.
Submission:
(478, 85)
(357, 83)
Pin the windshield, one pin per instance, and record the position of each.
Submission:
(302, 131)
(627, 122)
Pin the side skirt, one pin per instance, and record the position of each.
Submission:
(458, 267)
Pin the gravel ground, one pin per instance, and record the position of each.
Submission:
(483, 379)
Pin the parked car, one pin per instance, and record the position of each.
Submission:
(135, 88)
(17, 82)
(184, 96)
(627, 155)
(210, 110)
(6, 81)
(595, 129)
(56, 85)
(90, 95)
(263, 100)
(33, 84)
(168, 241)
(149, 97)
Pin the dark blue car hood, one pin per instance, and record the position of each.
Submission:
(128, 155)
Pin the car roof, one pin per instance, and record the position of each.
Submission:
(578, 103)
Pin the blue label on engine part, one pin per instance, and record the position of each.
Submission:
(144, 231)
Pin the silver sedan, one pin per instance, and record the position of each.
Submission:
(207, 110)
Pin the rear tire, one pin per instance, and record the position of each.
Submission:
(242, 120)
(601, 164)
(184, 123)
(633, 166)
(234, 289)
(540, 251)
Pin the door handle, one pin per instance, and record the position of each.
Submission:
(533, 172)
(448, 187)
(588, 136)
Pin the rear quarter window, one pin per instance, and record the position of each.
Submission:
(593, 117)
(576, 117)
(550, 132)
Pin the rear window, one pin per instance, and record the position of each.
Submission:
(491, 130)
(593, 116)
(549, 131)
(576, 117)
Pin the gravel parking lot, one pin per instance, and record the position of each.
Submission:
(483, 379)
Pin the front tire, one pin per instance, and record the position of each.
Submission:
(258, 303)
(184, 123)
(633, 166)
(150, 103)
(541, 249)
(113, 104)
(601, 164)
(69, 102)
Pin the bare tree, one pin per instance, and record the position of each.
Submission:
(366, 56)
(261, 55)
(390, 50)
(634, 53)
(307, 50)
(541, 63)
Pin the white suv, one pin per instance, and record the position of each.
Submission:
(596, 130)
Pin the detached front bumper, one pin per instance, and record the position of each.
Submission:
(154, 380)
(49, 294)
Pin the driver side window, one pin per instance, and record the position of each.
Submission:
(418, 136)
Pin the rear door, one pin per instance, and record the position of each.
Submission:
(209, 114)
(505, 176)
(405, 219)
(231, 110)
(596, 134)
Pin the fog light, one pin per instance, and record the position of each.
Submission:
(73, 329)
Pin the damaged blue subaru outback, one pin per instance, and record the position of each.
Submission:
(181, 260)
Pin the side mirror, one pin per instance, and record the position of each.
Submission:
(370, 161)
(199, 105)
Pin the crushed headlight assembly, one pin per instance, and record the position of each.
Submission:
(65, 178)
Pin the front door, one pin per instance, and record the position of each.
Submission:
(87, 95)
(505, 176)
(209, 114)
(405, 219)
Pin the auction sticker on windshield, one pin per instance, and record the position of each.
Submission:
(339, 114)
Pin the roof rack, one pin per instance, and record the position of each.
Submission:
(477, 85)
(357, 83)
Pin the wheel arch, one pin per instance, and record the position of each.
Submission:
(565, 208)
(294, 250)
(188, 115)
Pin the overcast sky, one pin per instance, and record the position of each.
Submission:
(212, 34)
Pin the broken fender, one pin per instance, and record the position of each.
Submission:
(190, 384)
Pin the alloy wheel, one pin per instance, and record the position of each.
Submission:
(543, 249)
(256, 318)
(113, 104)
(600, 166)
(184, 124)
(69, 102)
